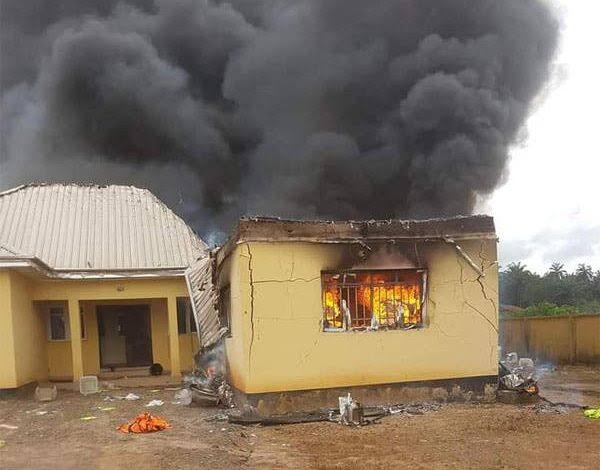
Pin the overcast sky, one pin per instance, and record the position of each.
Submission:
(548, 210)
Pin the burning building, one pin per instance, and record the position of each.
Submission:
(389, 310)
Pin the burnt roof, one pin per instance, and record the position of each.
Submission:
(322, 231)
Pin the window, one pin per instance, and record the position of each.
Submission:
(185, 316)
(225, 308)
(82, 322)
(58, 324)
(372, 300)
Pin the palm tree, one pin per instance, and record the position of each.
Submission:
(514, 283)
(517, 269)
(584, 272)
(557, 270)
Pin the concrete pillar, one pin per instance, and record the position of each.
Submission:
(173, 337)
(75, 327)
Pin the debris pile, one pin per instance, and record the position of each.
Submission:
(518, 374)
(207, 385)
(548, 407)
(414, 409)
(209, 390)
(128, 397)
(349, 413)
(183, 397)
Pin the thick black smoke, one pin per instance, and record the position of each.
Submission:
(328, 108)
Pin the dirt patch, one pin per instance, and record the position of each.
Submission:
(457, 436)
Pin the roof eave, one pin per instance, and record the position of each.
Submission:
(48, 272)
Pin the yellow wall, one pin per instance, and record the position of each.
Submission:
(8, 372)
(90, 348)
(27, 355)
(23, 354)
(277, 340)
(188, 346)
(60, 361)
(559, 340)
(29, 333)
(235, 272)
(159, 324)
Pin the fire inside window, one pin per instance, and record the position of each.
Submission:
(372, 300)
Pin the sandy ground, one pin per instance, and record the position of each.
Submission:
(457, 436)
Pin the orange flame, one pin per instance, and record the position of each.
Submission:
(333, 314)
(389, 304)
(393, 304)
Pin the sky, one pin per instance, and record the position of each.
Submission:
(548, 209)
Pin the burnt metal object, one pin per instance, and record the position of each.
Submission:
(517, 374)
(363, 415)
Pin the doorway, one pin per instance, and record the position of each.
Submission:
(125, 335)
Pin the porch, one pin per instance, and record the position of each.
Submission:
(117, 338)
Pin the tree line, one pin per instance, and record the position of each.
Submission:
(557, 292)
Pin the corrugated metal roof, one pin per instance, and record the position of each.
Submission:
(204, 302)
(104, 228)
(8, 251)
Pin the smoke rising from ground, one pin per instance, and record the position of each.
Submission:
(304, 108)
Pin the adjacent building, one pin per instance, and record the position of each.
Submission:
(92, 279)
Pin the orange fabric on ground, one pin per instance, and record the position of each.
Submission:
(145, 423)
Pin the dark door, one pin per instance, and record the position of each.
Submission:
(136, 328)
(125, 338)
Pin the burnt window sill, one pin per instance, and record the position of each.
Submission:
(371, 330)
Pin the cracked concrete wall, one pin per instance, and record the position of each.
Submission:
(234, 271)
(277, 341)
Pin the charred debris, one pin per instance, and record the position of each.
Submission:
(208, 387)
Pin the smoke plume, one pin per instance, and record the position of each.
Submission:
(298, 108)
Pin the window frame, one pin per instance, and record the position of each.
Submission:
(421, 272)
(58, 311)
(67, 324)
(189, 320)
(225, 308)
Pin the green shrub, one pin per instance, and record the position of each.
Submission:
(546, 309)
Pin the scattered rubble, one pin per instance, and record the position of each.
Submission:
(550, 408)
(107, 408)
(350, 413)
(8, 426)
(415, 409)
(183, 397)
(129, 397)
(154, 403)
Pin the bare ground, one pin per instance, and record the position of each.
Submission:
(457, 436)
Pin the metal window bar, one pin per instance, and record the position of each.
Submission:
(346, 290)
